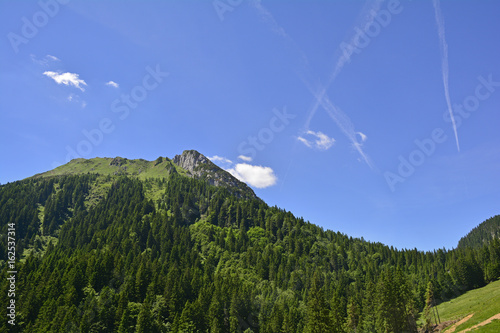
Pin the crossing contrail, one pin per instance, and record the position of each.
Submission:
(367, 16)
(319, 92)
(343, 122)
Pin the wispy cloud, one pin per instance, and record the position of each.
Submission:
(68, 79)
(254, 175)
(53, 58)
(362, 136)
(321, 141)
(45, 60)
(444, 63)
(245, 158)
(76, 99)
(112, 84)
(217, 158)
(305, 141)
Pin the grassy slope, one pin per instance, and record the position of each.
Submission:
(142, 169)
(483, 302)
(113, 166)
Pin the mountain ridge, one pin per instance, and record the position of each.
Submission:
(190, 163)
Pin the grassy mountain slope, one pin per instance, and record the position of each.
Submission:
(190, 164)
(140, 168)
(483, 303)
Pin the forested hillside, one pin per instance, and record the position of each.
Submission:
(482, 234)
(119, 253)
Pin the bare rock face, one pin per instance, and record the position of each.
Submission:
(190, 160)
(200, 167)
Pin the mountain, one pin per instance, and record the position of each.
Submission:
(179, 245)
(190, 163)
(482, 234)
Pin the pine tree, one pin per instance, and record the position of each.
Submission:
(144, 321)
(429, 300)
(367, 320)
(338, 315)
(353, 315)
(126, 322)
(318, 312)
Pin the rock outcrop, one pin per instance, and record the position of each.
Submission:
(200, 167)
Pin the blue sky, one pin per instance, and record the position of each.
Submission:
(378, 119)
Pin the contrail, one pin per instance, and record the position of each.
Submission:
(342, 120)
(267, 17)
(337, 115)
(367, 16)
(444, 63)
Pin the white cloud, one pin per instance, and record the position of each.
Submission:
(254, 175)
(343, 122)
(305, 141)
(51, 57)
(322, 141)
(45, 60)
(245, 158)
(112, 84)
(362, 135)
(68, 79)
(220, 159)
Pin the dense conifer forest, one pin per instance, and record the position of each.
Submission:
(104, 253)
(482, 234)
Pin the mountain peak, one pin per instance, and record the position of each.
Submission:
(200, 167)
(189, 160)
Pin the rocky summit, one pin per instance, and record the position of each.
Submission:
(200, 167)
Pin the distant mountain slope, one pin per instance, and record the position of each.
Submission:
(190, 163)
(482, 234)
